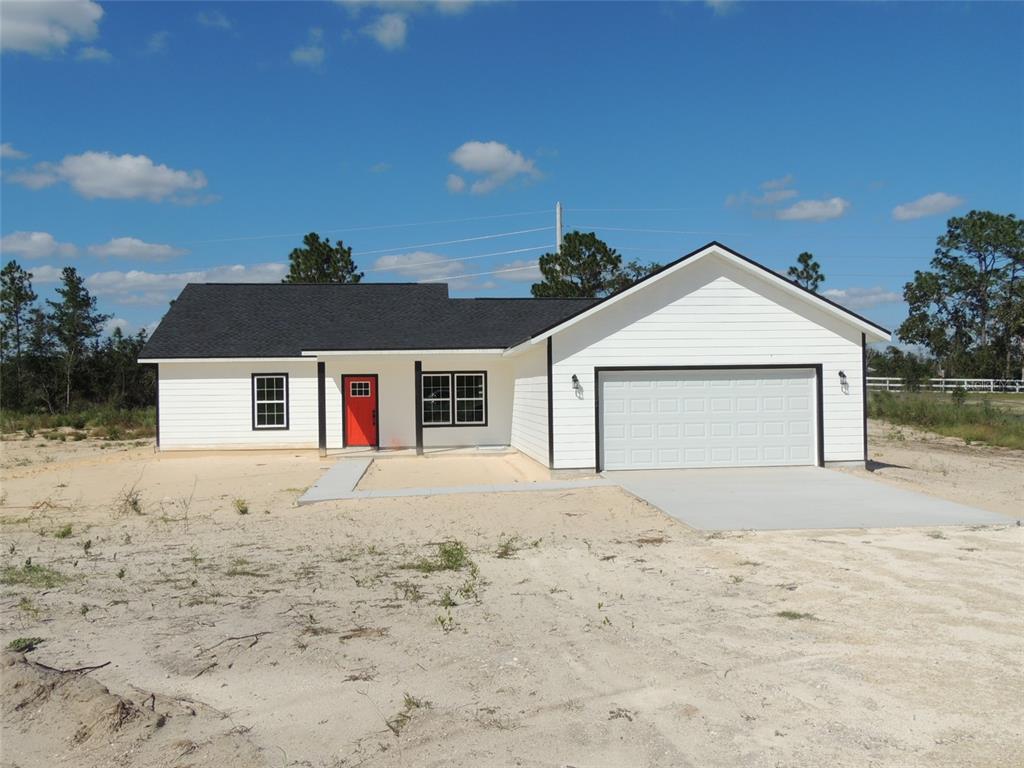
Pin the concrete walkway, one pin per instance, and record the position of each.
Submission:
(785, 498)
(762, 498)
(340, 481)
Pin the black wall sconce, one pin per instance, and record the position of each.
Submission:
(844, 383)
(577, 387)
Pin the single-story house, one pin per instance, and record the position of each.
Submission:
(712, 361)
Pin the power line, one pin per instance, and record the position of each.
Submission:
(400, 267)
(744, 234)
(367, 228)
(453, 242)
(479, 274)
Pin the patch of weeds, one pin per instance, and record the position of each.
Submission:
(84, 609)
(796, 615)
(128, 502)
(936, 535)
(451, 556)
(446, 600)
(307, 571)
(63, 532)
(507, 547)
(356, 632)
(32, 575)
(409, 705)
(312, 626)
(753, 563)
(241, 506)
(470, 588)
(120, 574)
(446, 621)
(653, 540)
(25, 605)
(408, 591)
(620, 713)
(24, 644)
(736, 579)
(239, 567)
(606, 622)
(87, 546)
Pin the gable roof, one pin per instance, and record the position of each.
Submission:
(235, 320)
(873, 331)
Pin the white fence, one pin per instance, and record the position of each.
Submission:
(892, 384)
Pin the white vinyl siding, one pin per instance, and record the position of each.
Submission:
(530, 404)
(210, 405)
(710, 313)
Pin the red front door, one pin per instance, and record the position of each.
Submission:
(360, 394)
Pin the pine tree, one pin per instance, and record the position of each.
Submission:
(321, 262)
(75, 322)
(808, 272)
(16, 302)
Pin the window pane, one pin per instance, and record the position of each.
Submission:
(469, 411)
(436, 385)
(436, 411)
(469, 385)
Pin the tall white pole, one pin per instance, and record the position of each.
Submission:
(558, 227)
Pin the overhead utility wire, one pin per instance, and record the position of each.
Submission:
(413, 265)
(453, 242)
(742, 234)
(367, 228)
(479, 274)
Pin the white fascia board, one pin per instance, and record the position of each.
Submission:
(156, 360)
(871, 332)
(421, 352)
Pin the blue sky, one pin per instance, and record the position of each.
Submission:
(150, 144)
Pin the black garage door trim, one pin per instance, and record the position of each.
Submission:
(816, 367)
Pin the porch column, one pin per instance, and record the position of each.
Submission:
(418, 389)
(321, 405)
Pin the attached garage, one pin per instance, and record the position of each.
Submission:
(727, 417)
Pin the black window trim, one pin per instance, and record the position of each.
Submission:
(287, 409)
(452, 400)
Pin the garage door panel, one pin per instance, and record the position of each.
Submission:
(707, 418)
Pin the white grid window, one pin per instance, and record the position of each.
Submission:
(437, 398)
(454, 399)
(359, 388)
(270, 401)
(470, 392)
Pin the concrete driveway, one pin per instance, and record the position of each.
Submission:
(781, 498)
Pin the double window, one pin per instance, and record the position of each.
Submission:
(454, 399)
(270, 401)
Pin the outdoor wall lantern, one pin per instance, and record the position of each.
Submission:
(844, 383)
(576, 386)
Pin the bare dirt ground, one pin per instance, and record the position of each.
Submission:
(976, 475)
(448, 471)
(579, 628)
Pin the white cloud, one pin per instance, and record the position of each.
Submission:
(8, 151)
(380, 167)
(721, 7)
(90, 53)
(929, 205)
(157, 42)
(118, 177)
(455, 183)
(497, 163)
(311, 54)
(814, 210)
(424, 266)
(772, 191)
(156, 289)
(133, 248)
(35, 245)
(127, 327)
(857, 298)
(44, 28)
(214, 19)
(520, 271)
(45, 274)
(388, 30)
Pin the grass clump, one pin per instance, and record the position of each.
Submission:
(63, 532)
(106, 421)
(241, 506)
(450, 556)
(935, 412)
(239, 567)
(796, 616)
(24, 644)
(32, 575)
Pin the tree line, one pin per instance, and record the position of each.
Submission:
(54, 357)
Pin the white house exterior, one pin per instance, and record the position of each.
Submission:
(712, 361)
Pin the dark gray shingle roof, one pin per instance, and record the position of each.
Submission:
(282, 320)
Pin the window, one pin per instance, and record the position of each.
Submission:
(359, 389)
(437, 398)
(454, 399)
(270, 401)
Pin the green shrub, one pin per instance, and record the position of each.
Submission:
(973, 422)
(24, 644)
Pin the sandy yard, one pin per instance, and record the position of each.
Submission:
(578, 628)
(447, 471)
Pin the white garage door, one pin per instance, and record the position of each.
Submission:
(707, 418)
